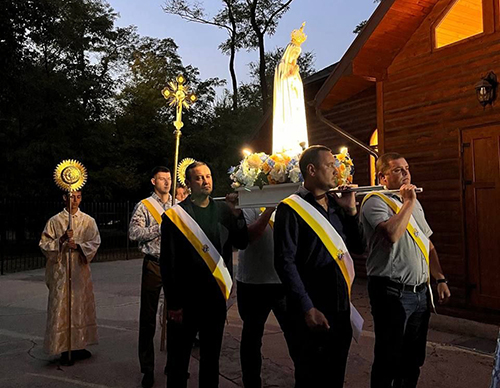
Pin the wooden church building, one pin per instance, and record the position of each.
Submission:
(417, 81)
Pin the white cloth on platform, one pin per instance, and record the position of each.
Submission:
(83, 316)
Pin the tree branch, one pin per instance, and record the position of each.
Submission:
(194, 15)
(266, 25)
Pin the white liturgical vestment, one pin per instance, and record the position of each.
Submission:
(83, 316)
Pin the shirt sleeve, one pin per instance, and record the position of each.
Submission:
(422, 222)
(139, 229)
(91, 241)
(49, 242)
(286, 234)
(238, 232)
(375, 211)
(250, 215)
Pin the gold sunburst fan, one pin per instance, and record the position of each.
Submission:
(181, 170)
(70, 175)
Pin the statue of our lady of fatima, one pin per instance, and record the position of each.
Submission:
(289, 115)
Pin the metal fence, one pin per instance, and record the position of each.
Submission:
(22, 223)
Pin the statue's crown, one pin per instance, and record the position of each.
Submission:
(298, 36)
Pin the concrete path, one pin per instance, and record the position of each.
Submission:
(459, 352)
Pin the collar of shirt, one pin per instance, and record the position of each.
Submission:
(309, 197)
(163, 204)
(77, 214)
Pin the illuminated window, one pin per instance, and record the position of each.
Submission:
(463, 20)
(373, 144)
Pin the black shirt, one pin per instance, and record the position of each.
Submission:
(308, 271)
(187, 279)
(205, 217)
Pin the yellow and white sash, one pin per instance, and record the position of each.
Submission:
(413, 229)
(335, 245)
(202, 244)
(154, 208)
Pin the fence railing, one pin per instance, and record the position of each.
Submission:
(22, 223)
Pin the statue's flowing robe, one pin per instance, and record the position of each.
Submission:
(289, 110)
(83, 316)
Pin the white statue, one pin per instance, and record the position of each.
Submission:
(289, 115)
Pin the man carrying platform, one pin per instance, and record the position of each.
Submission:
(196, 263)
(312, 232)
(145, 228)
(400, 260)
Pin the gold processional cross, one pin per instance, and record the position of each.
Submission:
(178, 94)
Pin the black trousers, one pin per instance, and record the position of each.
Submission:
(150, 294)
(401, 320)
(206, 316)
(320, 359)
(255, 302)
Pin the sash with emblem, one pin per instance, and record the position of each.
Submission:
(335, 245)
(413, 229)
(154, 208)
(202, 244)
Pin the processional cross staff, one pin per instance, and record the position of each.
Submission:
(177, 94)
(70, 176)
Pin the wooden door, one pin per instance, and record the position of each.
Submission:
(481, 163)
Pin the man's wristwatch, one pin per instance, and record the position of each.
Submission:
(444, 280)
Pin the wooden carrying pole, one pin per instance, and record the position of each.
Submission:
(70, 175)
(68, 278)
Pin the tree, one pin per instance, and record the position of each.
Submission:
(227, 18)
(57, 88)
(263, 18)
(362, 24)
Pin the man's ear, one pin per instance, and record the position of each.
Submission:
(153, 181)
(311, 169)
(381, 179)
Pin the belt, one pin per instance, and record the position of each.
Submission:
(399, 286)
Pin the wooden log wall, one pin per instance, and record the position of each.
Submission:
(428, 98)
(358, 116)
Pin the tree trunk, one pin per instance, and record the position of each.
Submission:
(233, 54)
(233, 75)
(262, 75)
(262, 60)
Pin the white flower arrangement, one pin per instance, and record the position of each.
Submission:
(259, 169)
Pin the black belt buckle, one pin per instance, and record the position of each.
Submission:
(406, 287)
(415, 289)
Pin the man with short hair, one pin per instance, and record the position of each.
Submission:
(400, 260)
(196, 253)
(145, 229)
(313, 234)
(83, 239)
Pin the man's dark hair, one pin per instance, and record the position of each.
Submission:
(65, 194)
(311, 156)
(191, 166)
(383, 162)
(158, 169)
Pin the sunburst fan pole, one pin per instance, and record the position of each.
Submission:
(178, 94)
(70, 175)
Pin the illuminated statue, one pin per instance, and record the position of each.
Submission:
(289, 115)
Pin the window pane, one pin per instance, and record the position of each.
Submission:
(463, 20)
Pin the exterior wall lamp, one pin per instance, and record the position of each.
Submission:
(486, 89)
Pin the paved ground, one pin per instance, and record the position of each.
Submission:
(458, 353)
